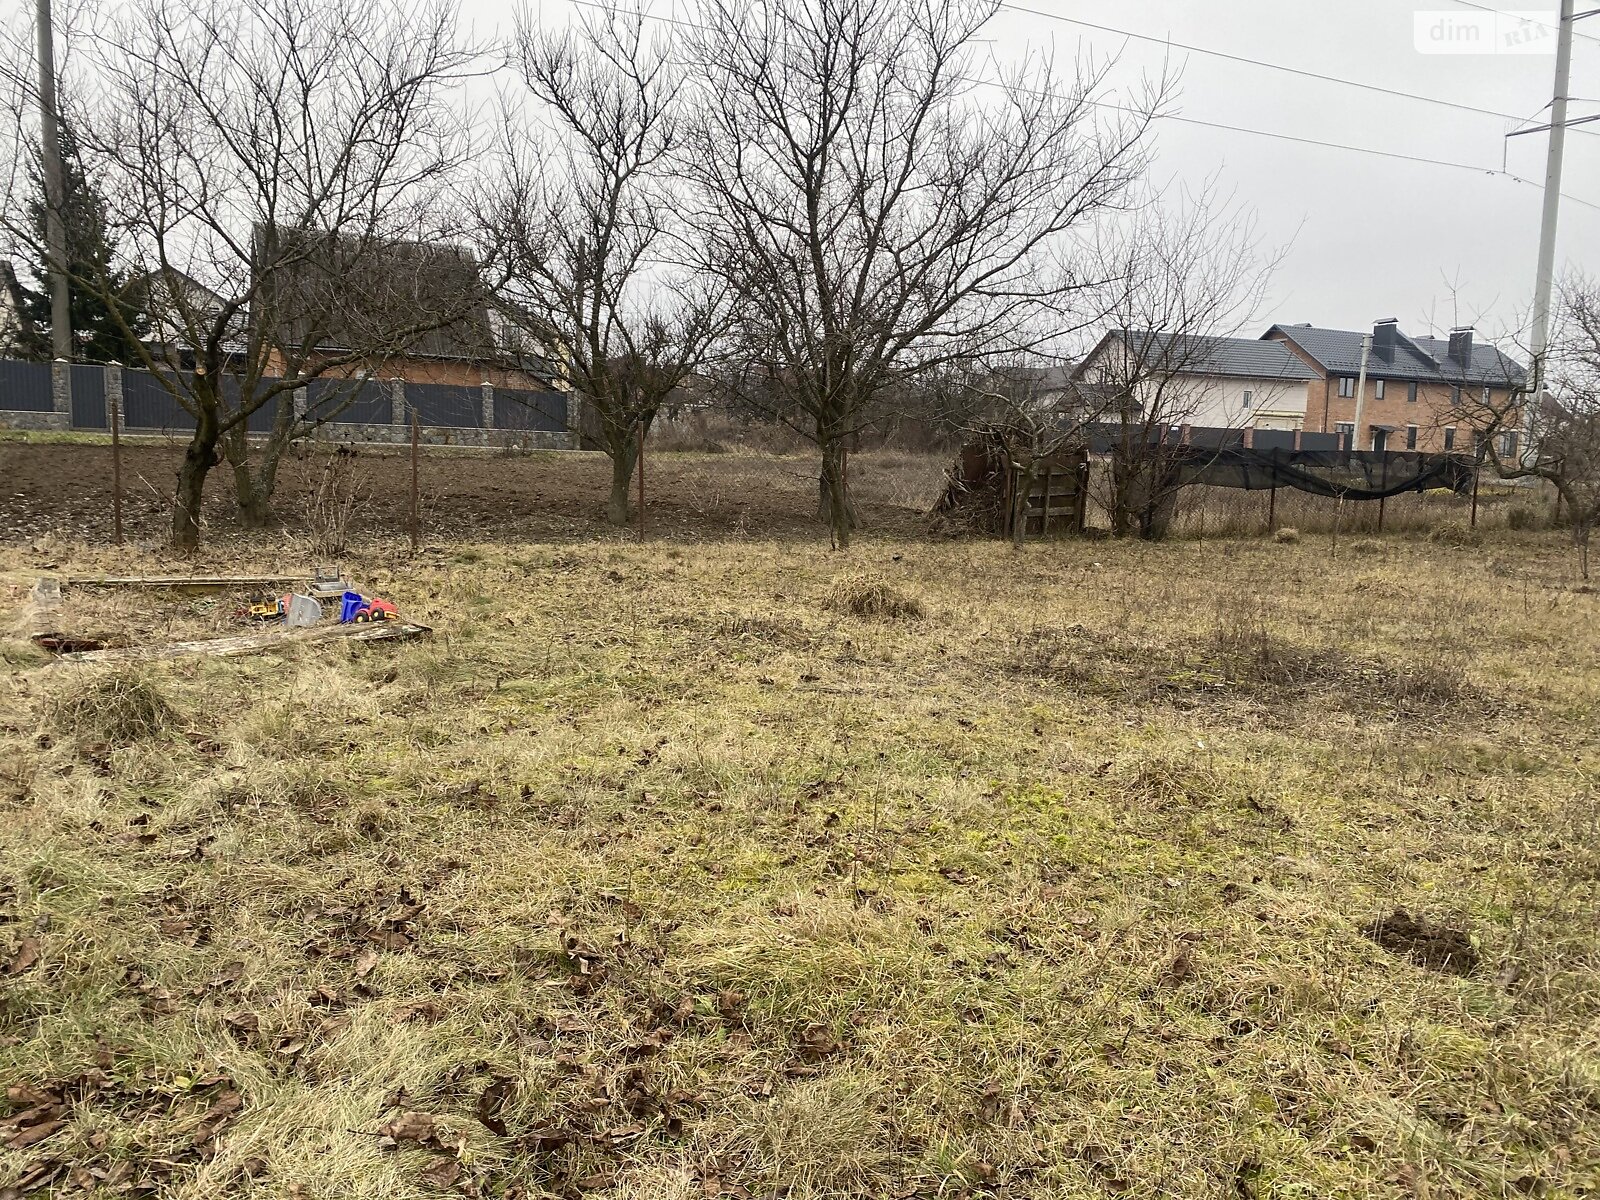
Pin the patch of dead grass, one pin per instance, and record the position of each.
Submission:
(653, 881)
(871, 596)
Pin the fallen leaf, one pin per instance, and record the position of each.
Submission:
(409, 1126)
(443, 1174)
(34, 1133)
(26, 956)
(491, 1102)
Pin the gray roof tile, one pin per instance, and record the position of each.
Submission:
(1240, 358)
(1423, 359)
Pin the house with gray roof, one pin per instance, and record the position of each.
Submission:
(1420, 392)
(1195, 379)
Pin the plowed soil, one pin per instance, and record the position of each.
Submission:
(65, 490)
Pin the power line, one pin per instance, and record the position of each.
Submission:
(1271, 66)
(1198, 121)
(1497, 12)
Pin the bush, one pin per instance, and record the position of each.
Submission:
(1287, 536)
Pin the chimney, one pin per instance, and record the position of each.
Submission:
(1461, 346)
(1385, 336)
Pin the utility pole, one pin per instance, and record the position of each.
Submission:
(55, 190)
(1361, 391)
(1552, 195)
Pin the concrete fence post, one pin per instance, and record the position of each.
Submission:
(397, 402)
(574, 412)
(302, 403)
(114, 411)
(488, 405)
(61, 389)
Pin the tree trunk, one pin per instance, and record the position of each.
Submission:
(253, 495)
(1124, 496)
(198, 459)
(253, 489)
(623, 456)
(833, 496)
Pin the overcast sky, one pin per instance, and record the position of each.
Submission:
(1369, 237)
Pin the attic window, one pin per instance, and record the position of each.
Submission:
(1248, 397)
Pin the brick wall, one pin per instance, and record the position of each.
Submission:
(1432, 412)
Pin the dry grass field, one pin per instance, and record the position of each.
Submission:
(738, 868)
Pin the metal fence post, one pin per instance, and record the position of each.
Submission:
(1385, 485)
(416, 508)
(641, 481)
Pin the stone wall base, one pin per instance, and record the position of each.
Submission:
(55, 422)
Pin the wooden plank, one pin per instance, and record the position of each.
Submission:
(191, 583)
(261, 643)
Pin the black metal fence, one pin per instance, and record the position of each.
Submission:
(149, 405)
(26, 387)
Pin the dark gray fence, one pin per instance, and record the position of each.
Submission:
(25, 387)
(147, 405)
(532, 411)
(359, 402)
(446, 404)
(89, 398)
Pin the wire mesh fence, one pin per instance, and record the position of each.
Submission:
(707, 487)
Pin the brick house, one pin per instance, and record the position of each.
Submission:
(1420, 392)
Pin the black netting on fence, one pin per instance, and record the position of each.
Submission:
(1351, 474)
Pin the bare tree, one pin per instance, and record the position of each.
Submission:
(594, 224)
(1185, 272)
(880, 212)
(262, 159)
(1554, 436)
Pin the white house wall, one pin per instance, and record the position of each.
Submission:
(1219, 401)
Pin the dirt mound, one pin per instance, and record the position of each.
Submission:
(1437, 947)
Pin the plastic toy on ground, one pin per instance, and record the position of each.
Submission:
(376, 610)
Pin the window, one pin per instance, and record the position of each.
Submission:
(1347, 385)
(1449, 438)
(1411, 392)
(1455, 396)
(1411, 437)
(1248, 396)
(1347, 433)
(1377, 389)
(1486, 393)
(1508, 444)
